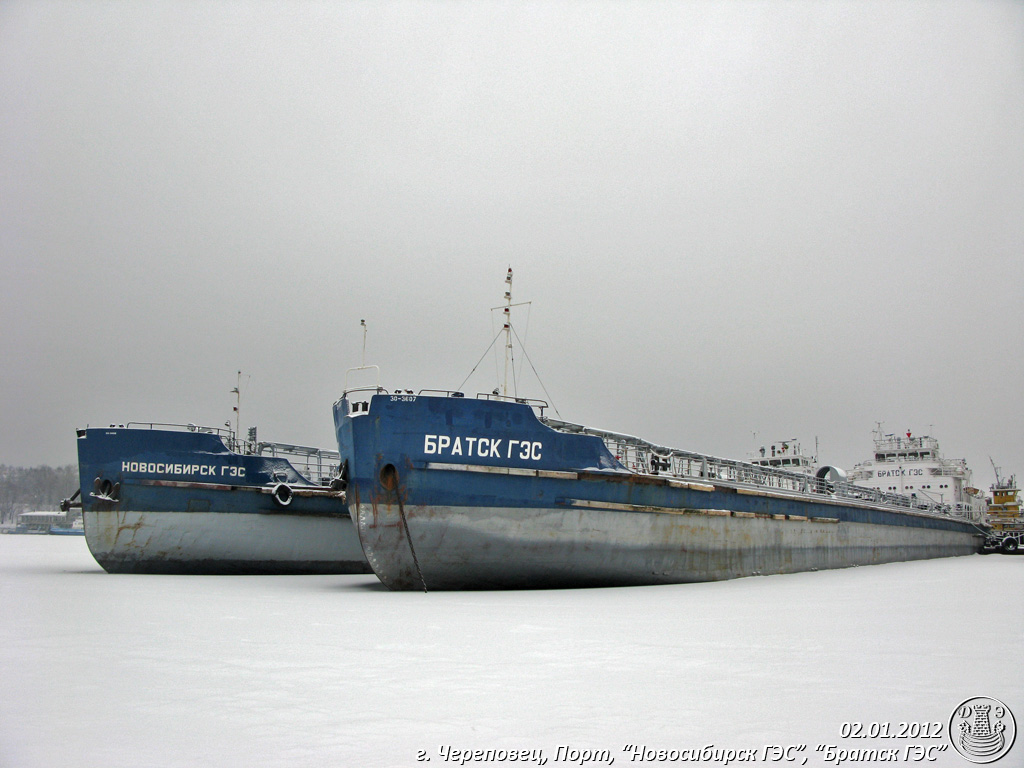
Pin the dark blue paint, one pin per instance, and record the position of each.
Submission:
(104, 454)
(393, 432)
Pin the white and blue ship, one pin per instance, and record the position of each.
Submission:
(453, 492)
(450, 492)
(160, 498)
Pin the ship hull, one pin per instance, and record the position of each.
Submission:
(452, 493)
(446, 548)
(146, 541)
(160, 501)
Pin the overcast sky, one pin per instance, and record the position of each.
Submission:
(736, 222)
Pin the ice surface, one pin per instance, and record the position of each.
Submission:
(109, 671)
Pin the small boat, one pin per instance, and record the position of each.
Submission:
(1004, 508)
(1004, 515)
(169, 498)
(38, 522)
(76, 528)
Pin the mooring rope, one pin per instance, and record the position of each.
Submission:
(459, 389)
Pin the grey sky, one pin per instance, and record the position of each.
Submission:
(794, 219)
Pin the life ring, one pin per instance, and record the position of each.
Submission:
(282, 494)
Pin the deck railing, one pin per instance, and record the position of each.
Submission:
(318, 465)
(646, 458)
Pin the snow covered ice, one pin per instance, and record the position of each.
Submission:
(110, 671)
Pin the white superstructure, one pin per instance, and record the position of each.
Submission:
(914, 466)
(785, 454)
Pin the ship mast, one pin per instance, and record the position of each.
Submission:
(363, 366)
(508, 328)
(999, 480)
(237, 392)
(507, 312)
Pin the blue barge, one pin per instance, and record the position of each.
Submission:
(161, 498)
(450, 492)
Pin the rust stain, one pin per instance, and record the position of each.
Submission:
(623, 479)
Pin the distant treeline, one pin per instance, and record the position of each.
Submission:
(27, 489)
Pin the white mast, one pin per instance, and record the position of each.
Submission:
(506, 309)
(237, 392)
(364, 366)
(508, 328)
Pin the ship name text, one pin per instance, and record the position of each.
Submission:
(482, 447)
(898, 472)
(162, 468)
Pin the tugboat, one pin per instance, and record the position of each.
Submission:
(455, 492)
(1004, 515)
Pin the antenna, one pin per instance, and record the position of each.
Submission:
(364, 366)
(363, 324)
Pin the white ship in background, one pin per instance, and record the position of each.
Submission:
(785, 454)
(915, 467)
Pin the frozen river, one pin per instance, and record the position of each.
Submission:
(111, 671)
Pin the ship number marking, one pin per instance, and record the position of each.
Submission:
(482, 447)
